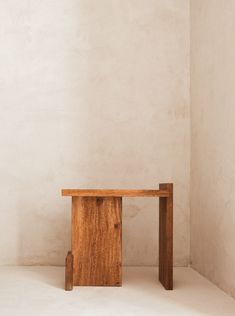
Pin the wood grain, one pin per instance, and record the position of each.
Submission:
(166, 237)
(115, 193)
(97, 240)
(69, 272)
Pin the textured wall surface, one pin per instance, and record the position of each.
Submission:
(213, 141)
(93, 94)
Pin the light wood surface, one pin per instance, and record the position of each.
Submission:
(115, 193)
(96, 241)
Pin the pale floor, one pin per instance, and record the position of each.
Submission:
(39, 291)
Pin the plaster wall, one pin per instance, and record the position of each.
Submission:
(213, 141)
(94, 94)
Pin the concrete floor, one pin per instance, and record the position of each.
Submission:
(39, 291)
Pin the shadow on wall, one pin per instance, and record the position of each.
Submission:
(44, 232)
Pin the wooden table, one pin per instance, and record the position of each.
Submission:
(95, 258)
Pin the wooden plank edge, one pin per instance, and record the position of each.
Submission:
(115, 193)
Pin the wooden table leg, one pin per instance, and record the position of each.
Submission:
(96, 241)
(166, 237)
(69, 272)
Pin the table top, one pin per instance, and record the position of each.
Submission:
(114, 193)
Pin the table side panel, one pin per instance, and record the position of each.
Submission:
(97, 241)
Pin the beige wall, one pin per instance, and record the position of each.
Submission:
(93, 94)
(213, 141)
